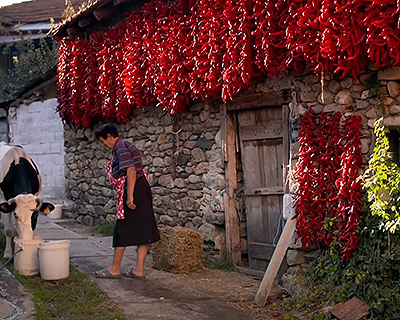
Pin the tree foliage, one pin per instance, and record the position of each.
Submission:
(382, 181)
(31, 60)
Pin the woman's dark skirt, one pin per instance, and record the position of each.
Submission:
(139, 226)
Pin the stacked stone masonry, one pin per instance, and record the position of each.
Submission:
(182, 154)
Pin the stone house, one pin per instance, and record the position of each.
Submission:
(29, 115)
(221, 168)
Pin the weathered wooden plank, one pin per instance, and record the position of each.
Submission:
(85, 22)
(260, 132)
(259, 100)
(259, 250)
(102, 13)
(117, 2)
(264, 191)
(285, 147)
(273, 267)
(231, 218)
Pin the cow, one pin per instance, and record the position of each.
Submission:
(20, 184)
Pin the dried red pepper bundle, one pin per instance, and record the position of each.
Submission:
(63, 80)
(328, 195)
(271, 54)
(206, 50)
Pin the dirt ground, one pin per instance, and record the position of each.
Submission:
(235, 289)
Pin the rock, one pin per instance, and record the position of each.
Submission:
(346, 83)
(393, 88)
(183, 160)
(198, 155)
(197, 221)
(365, 145)
(158, 162)
(365, 95)
(392, 122)
(334, 108)
(389, 74)
(362, 104)
(179, 183)
(328, 97)
(206, 231)
(344, 98)
(209, 136)
(213, 217)
(371, 114)
(166, 181)
(107, 192)
(334, 86)
(166, 220)
(204, 143)
(201, 168)
(194, 179)
(295, 257)
(311, 79)
(387, 101)
(195, 193)
(213, 155)
(310, 256)
(393, 110)
(214, 181)
(307, 96)
(88, 220)
(218, 139)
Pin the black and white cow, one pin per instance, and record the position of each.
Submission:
(20, 184)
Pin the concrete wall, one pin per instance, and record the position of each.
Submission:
(38, 128)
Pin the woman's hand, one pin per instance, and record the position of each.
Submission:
(130, 203)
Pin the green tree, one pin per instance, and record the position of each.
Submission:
(382, 181)
(31, 59)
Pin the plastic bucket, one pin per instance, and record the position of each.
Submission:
(56, 213)
(26, 261)
(54, 259)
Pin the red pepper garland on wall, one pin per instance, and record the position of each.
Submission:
(168, 53)
(328, 194)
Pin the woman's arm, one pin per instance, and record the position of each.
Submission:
(131, 177)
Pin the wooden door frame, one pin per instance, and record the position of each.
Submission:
(229, 151)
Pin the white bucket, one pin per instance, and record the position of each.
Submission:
(54, 259)
(56, 213)
(26, 262)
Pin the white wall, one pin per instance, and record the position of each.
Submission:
(38, 128)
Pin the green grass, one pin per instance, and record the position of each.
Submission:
(106, 229)
(74, 298)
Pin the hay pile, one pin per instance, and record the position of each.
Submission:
(180, 250)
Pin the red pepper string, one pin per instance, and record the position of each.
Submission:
(63, 84)
(169, 53)
(328, 194)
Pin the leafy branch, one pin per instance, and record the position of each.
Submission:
(382, 181)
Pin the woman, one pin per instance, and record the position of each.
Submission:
(135, 223)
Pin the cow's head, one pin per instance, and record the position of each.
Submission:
(26, 208)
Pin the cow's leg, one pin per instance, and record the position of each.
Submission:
(9, 231)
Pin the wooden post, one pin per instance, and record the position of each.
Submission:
(231, 217)
(284, 241)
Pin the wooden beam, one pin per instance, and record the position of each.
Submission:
(234, 253)
(102, 13)
(117, 2)
(259, 100)
(273, 267)
(72, 31)
(84, 22)
(263, 191)
(286, 147)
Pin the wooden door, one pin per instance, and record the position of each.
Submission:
(261, 135)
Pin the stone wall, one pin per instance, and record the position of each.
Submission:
(181, 156)
(37, 127)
